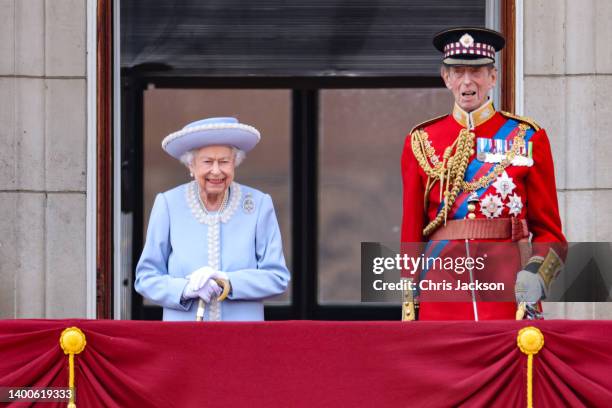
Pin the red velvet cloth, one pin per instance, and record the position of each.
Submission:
(312, 364)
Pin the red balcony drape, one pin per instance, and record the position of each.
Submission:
(312, 364)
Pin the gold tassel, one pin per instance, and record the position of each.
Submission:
(72, 341)
(530, 340)
(428, 187)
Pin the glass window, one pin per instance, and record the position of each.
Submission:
(362, 133)
(267, 167)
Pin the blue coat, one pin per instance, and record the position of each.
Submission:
(243, 240)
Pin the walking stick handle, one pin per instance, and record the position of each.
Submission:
(202, 306)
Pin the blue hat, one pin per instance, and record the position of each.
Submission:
(208, 132)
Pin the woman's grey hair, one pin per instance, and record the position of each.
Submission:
(187, 157)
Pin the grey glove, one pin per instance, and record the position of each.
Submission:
(529, 287)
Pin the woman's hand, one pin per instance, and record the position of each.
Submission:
(196, 281)
(211, 287)
(209, 291)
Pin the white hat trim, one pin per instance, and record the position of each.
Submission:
(212, 126)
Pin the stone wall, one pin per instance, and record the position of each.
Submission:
(42, 158)
(568, 90)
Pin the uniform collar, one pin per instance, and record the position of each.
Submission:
(476, 117)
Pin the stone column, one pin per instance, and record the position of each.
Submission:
(568, 90)
(42, 158)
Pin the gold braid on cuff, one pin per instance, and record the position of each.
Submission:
(550, 268)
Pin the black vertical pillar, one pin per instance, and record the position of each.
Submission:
(304, 195)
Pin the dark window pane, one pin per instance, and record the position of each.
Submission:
(362, 133)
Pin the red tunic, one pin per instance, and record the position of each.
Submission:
(534, 193)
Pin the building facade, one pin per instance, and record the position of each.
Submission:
(48, 134)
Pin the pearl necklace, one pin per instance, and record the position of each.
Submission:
(223, 203)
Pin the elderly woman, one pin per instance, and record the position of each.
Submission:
(212, 230)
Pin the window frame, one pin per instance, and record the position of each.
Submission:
(304, 161)
(304, 304)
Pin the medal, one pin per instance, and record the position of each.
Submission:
(491, 206)
(482, 148)
(515, 204)
(504, 185)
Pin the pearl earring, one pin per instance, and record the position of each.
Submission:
(191, 175)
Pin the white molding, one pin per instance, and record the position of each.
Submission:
(493, 14)
(519, 79)
(493, 21)
(118, 292)
(91, 203)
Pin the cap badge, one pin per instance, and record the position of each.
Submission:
(466, 40)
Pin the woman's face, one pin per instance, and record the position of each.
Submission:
(213, 168)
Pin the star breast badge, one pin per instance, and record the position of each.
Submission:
(515, 204)
(504, 185)
(491, 206)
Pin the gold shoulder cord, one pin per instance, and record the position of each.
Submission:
(525, 119)
(453, 166)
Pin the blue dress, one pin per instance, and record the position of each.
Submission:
(242, 240)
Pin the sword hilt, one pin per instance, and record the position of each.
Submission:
(409, 305)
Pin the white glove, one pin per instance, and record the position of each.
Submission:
(225, 277)
(220, 275)
(529, 287)
(196, 280)
(209, 290)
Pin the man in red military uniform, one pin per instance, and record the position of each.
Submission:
(480, 176)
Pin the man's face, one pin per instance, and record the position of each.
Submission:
(470, 85)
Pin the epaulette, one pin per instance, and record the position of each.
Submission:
(428, 122)
(525, 119)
